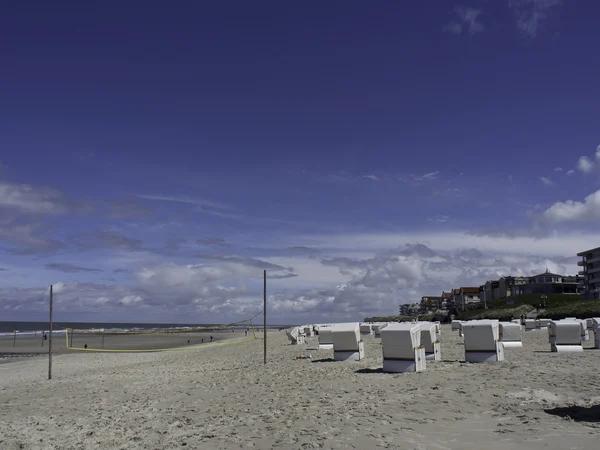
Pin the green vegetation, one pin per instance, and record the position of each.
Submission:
(581, 310)
(553, 300)
(498, 313)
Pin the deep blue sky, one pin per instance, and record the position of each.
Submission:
(269, 121)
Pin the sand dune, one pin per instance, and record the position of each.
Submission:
(224, 398)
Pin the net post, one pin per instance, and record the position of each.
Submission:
(265, 314)
(15, 338)
(50, 340)
(67, 338)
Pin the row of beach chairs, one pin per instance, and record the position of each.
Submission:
(407, 346)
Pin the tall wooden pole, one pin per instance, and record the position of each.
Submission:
(15, 339)
(50, 340)
(265, 314)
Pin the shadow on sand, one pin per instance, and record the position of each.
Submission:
(379, 370)
(577, 413)
(322, 360)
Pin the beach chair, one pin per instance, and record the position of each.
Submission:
(482, 341)
(377, 329)
(596, 329)
(295, 335)
(347, 344)
(456, 325)
(530, 324)
(325, 337)
(438, 327)
(544, 323)
(402, 349)
(589, 323)
(566, 336)
(366, 329)
(430, 341)
(510, 335)
(308, 331)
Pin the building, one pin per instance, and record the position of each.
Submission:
(408, 309)
(431, 303)
(551, 283)
(590, 274)
(544, 283)
(467, 296)
(446, 300)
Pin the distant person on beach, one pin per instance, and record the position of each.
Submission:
(211, 339)
(45, 337)
(203, 340)
(246, 332)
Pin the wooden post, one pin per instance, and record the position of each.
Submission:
(15, 339)
(71, 344)
(50, 340)
(265, 313)
(102, 340)
(42, 338)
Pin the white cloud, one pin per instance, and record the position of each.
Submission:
(431, 175)
(598, 154)
(585, 164)
(467, 20)
(546, 181)
(570, 172)
(29, 199)
(372, 177)
(558, 169)
(575, 211)
(530, 14)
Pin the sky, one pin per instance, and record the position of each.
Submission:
(155, 159)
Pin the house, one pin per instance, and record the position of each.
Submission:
(408, 309)
(590, 273)
(467, 296)
(431, 303)
(551, 283)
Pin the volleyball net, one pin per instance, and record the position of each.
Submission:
(159, 339)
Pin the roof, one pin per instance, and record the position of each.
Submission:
(457, 291)
(470, 290)
(446, 294)
(589, 251)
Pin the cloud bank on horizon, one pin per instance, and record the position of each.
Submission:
(156, 192)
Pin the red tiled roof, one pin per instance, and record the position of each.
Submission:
(470, 290)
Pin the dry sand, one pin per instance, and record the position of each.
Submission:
(27, 346)
(222, 397)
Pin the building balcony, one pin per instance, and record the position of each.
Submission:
(593, 270)
(595, 259)
(581, 263)
(582, 272)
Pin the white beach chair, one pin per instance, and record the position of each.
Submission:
(530, 324)
(482, 341)
(325, 337)
(295, 336)
(347, 344)
(308, 330)
(596, 329)
(544, 323)
(589, 323)
(566, 336)
(377, 329)
(366, 329)
(456, 325)
(510, 335)
(438, 327)
(430, 341)
(402, 349)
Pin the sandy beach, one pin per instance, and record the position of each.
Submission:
(222, 397)
(30, 346)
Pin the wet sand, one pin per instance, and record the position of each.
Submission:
(223, 397)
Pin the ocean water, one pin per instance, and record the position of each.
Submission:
(30, 328)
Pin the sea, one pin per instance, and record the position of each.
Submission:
(31, 328)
